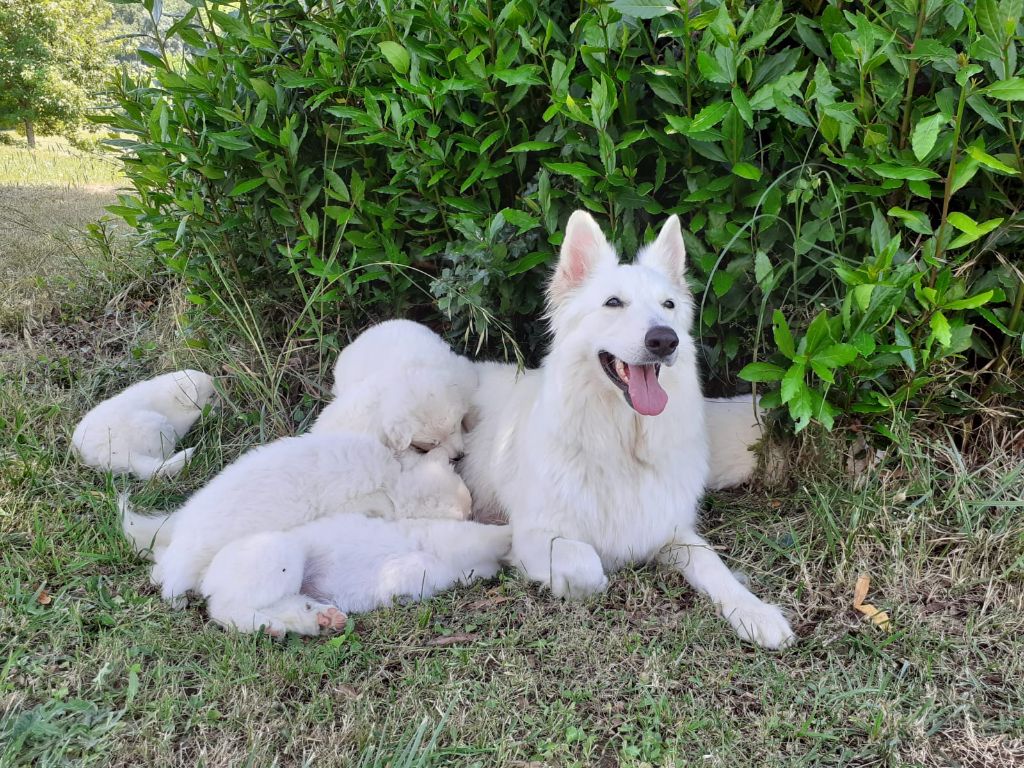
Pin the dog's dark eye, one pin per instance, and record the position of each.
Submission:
(614, 301)
(668, 304)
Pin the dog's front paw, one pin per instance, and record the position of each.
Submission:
(576, 570)
(760, 623)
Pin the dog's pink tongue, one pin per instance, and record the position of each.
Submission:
(646, 394)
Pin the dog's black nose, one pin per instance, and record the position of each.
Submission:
(661, 341)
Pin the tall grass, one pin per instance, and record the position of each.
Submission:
(54, 162)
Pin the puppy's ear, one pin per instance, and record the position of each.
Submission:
(583, 249)
(667, 254)
(398, 434)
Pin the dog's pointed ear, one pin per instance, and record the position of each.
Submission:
(667, 254)
(583, 248)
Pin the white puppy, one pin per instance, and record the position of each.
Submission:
(733, 432)
(137, 430)
(288, 483)
(401, 382)
(304, 579)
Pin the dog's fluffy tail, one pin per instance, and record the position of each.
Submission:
(147, 533)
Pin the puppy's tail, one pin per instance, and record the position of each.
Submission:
(147, 533)
(149, 466)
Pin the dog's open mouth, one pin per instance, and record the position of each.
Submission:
(639, 383)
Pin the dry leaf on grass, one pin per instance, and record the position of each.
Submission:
(451, 640)
(44, 598)
(487, 602)
(879, 618)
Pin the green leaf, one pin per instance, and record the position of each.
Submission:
(528, 74)
(971, 302)
(709, 117)
(971, 230)
(913, 220)
(229, 141)
(759, 372)
(988, 161)
(396, 55)
(907, 351)
(576, 170)
(783, 337)
(533, 146)
(893, 171)
(836, 355)
(801, 407)
(985, 110)
(721, 282)
(762, 268)
(926, 132)
(711, 68)
(743, 107)
(521, 220)
(793, 382)
(643, 9)
(747, 171)
(862, 295)
(246, 186)
(1011, 89)
(940, 329)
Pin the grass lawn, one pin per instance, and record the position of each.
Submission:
(97, 671)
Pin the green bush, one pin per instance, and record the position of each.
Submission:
(850, 177)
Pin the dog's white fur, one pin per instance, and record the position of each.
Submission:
(290, 581)
(288, 483)
(401, 382)
(587, 483)
(137, 430)
(733, 429)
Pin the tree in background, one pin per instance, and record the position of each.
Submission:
(53, 57)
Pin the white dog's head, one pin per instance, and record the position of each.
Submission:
(191, 389)
(627, 319)
(414, 409)
(424, 408)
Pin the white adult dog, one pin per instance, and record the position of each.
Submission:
(304, 579)
(137, 430)
(401, 382)
(600, 457)
(289, 483)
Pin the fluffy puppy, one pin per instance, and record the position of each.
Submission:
(402, 383)
(285, 484)
(304, 579)
(137, 430)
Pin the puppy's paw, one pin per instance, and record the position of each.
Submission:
(760, 623)
(331, 620)
(576, 570)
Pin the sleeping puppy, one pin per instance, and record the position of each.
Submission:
(137, 430)
(304, 579)
(286, 484)
(402, 383)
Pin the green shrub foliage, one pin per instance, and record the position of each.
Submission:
(850, 175)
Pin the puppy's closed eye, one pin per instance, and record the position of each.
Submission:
(423, 446)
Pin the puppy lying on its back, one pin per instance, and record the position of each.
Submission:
(400, 382)
(137, 430)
